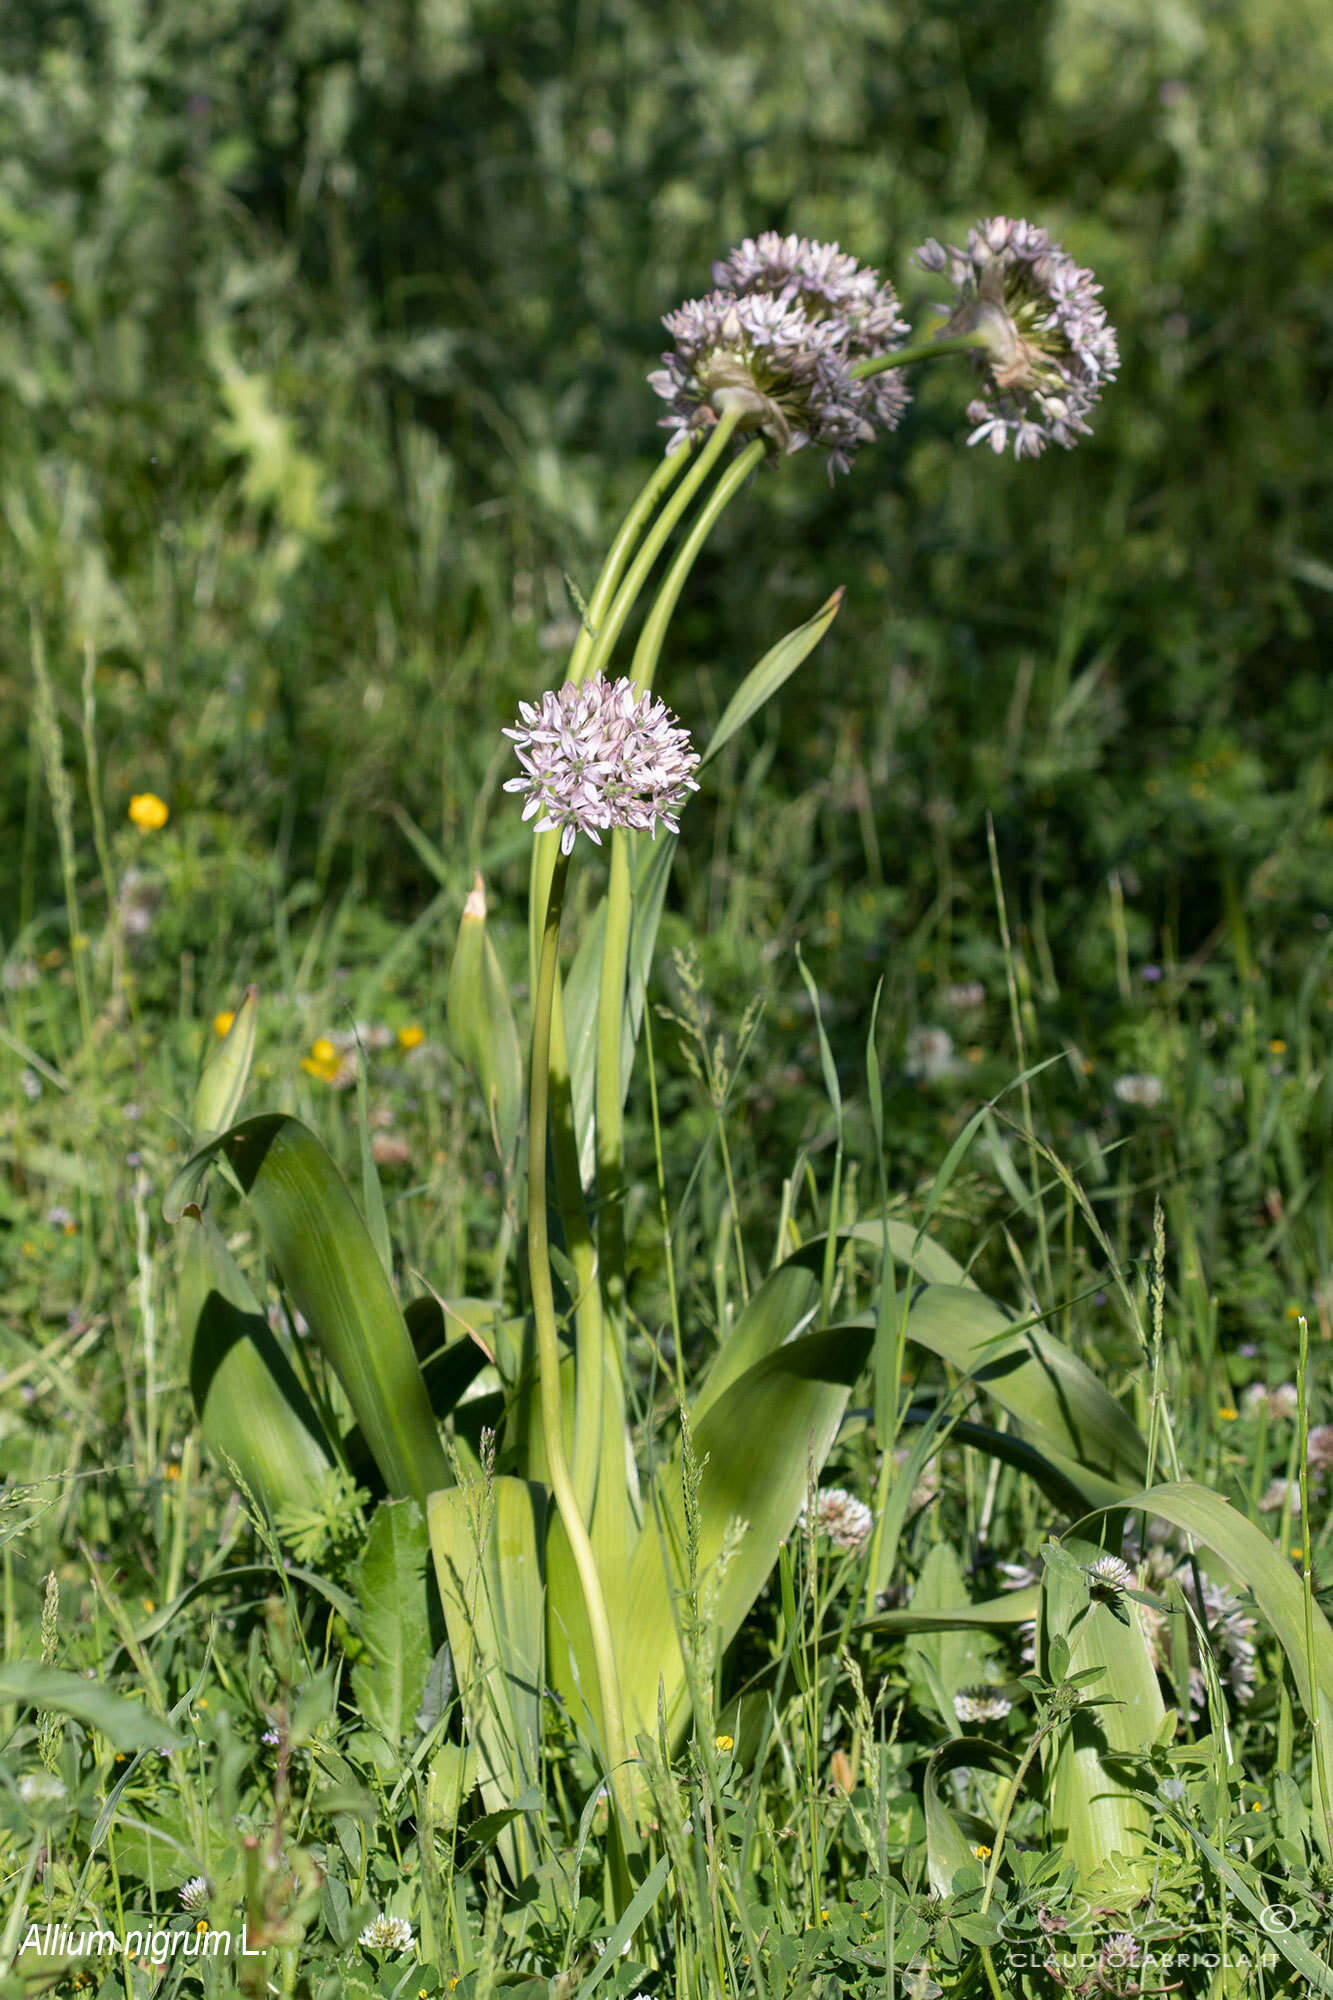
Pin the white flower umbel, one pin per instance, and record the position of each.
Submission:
(387, 1934)
(599, 757)
(776, 340)
(1049, 346)
(847, 1521)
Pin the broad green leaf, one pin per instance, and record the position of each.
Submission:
(948, 1846)
(327, 1262)
(944, 1658)
(250, 1405)
(780, 1307)
(759, 1439)
(1065, 1412)
(393, 1619)
(1262, 1568)
(1097, 1812)
(226, 1070)
(487, 1546)
(482, 1028)
(916, 1256)
(126, 1724)
(777, 666)
(1016, 1607)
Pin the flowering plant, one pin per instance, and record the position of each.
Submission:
(564, 1563)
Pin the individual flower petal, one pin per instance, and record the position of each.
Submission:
(1050, 345)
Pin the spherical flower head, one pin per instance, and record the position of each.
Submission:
(847, 1521)
(1109, 1575)
(776, 341)
(599, 757)
(981, 1704)
(193, 1893)
(1050, 346)
(387, 1934)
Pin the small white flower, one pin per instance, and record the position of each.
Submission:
(387, 1934)
(981, 1704)
(847, 1521)
(1280, 1401)
(1145, 1091)
(30, 1084)
(1109, 1573)
(601, 756)
(194, 1893)
(928, 1053)
(41, 1789)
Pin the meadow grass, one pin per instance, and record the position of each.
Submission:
(302, 492)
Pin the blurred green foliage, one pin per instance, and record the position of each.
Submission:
(323, 331)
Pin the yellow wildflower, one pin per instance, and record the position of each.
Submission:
(723, 1743)
(148, 811)
(1226, 1414)
(222, 1022)
(323, 1060)
(411, 1038)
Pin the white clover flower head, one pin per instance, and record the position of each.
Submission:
(602, 756)
(42, 1790)
(387, 1934)
(1281, 1493)
(1281, 1401)
(981, 1704)
(777, 339)
(928, 1054)
(1144, 1091)
(1110, 1575)
(1319, 1448)
(1050, 345)
(847, 1521)
(193, 1893)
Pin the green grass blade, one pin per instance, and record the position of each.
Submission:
(328, 1264)
(124, 1723)
(778, 665)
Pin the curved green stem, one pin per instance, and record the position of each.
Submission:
(610, 1093)
(548, 1352)
(922, 350)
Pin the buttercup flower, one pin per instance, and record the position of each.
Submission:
(148, 811)
(387, 1934)
(847, 1521)
(1050, 346)
(777, 339)
(599, 757)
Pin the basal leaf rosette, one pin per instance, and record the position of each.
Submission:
(1049, 345)
(777, 339)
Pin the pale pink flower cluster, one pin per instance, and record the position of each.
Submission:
(1050, 345)
(601, 756)
(777, 339)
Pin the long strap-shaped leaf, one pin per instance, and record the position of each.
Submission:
(328, 1263)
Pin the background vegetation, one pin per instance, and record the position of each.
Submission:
(323, 331)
